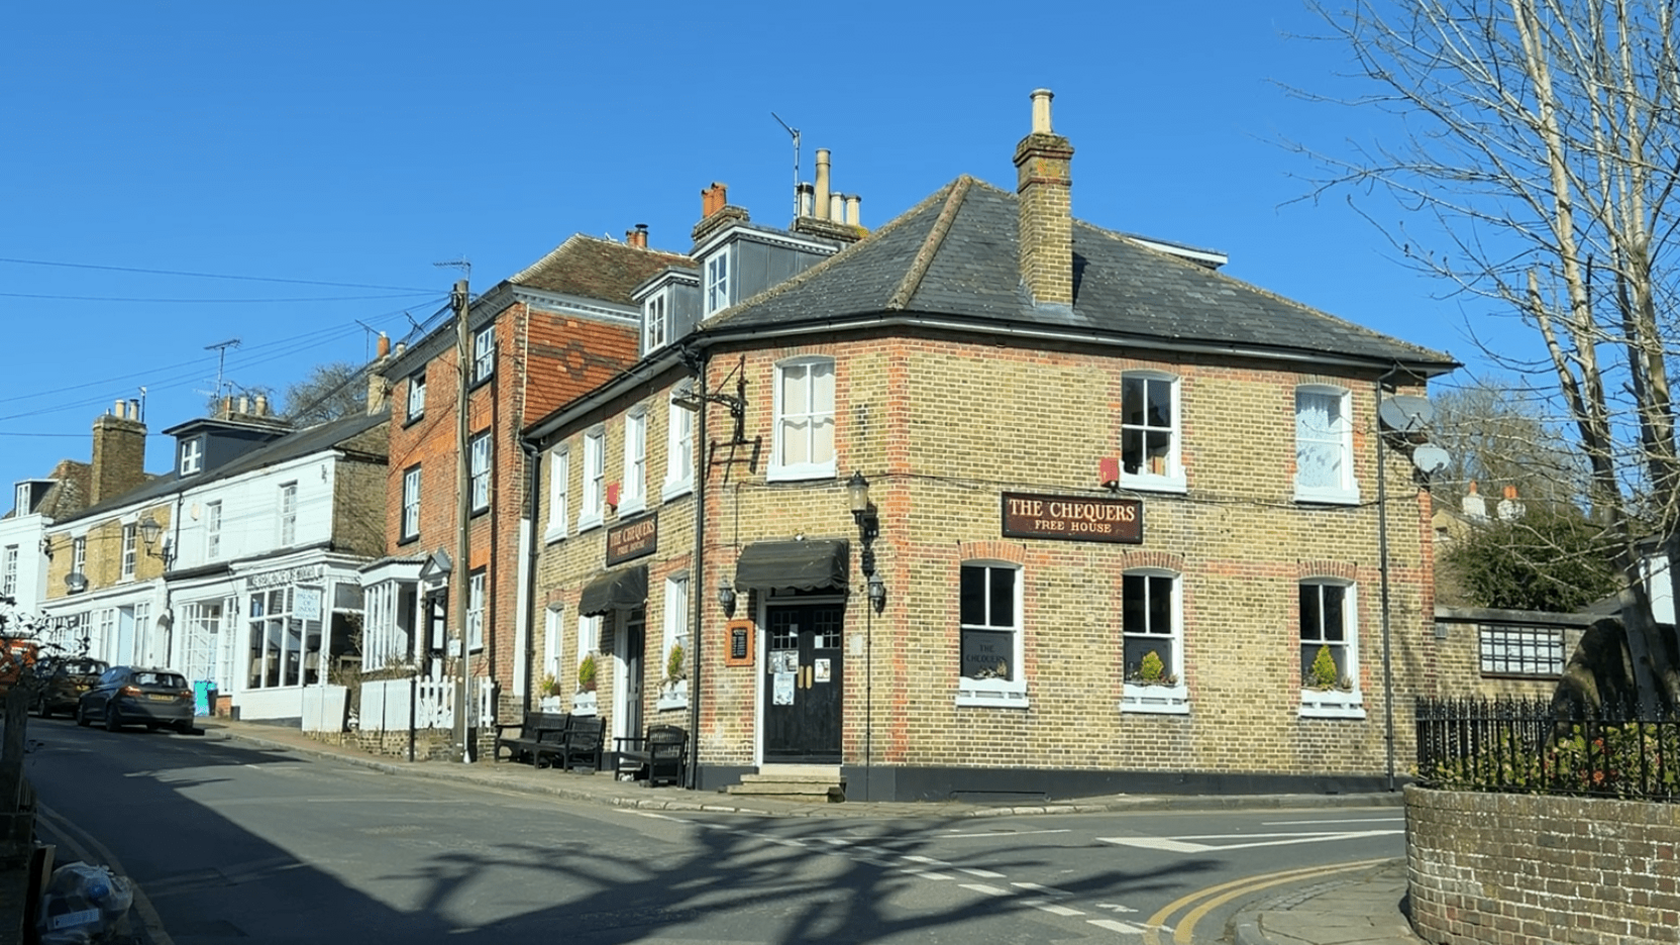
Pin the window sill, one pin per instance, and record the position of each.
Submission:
(674, 697)
(1162, 700)
(413, 419)
(554, 534)
(587, 522)
(676, 488)
(1326, 496)
(632, 506)
(1141, 483)
(992, 694)
(798, 473)
(1318, 704)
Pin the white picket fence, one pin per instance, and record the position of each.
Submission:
(385, 704)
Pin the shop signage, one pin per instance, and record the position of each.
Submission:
(1072, 518)
(741, 634)
(298, 575)
(632, 540)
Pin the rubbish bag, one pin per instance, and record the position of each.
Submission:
(82, 904)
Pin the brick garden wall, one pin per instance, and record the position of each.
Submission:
(1517, 869)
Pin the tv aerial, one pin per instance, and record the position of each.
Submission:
(795, 133)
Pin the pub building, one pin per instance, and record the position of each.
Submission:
(988, 503)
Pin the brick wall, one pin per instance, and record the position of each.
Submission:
(1517, 869)
(941, 427)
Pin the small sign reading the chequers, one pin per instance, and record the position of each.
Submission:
(1072, 518)
(633, 539)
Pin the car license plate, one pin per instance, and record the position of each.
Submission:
(160, 697)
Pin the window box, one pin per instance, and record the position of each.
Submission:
(993, 693)
(1332, 704)
(1161, 699)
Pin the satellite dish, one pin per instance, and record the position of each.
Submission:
(1430, 458)
(75, 583)
(1406, 413)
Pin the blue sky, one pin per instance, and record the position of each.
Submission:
(330, 154)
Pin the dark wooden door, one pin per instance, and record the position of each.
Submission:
(803, 684)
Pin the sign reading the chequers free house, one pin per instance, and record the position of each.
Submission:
(1072, 518)
(632, 539)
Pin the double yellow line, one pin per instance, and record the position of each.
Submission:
(1216, 896)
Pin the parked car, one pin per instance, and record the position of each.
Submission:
(63, 680)
(128, 695)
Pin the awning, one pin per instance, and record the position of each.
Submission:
(801, 565)
(624, 589)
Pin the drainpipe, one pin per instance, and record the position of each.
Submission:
(527, 648)
(702, 471)
(1382, 559)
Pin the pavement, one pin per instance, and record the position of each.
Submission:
(1359, 907)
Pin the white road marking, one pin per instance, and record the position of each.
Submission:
(988, 890)
(1051, 908)
(1187, 845)
(1114, 925)
(925, 874)
(1046, 890)
(1002, 833)
(925, 859)
(1115, 907)
(983, 874)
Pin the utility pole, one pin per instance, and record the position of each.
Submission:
(463, 509)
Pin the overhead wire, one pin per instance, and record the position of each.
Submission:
(211, 275)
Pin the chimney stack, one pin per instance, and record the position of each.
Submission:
(1044, 222)
(1473, 505)
(1511, 508)
(119, 454)
(637, 237)
(822, 196)
(713, 199)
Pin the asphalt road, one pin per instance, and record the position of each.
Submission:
(231, 844)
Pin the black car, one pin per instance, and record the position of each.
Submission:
(63, 680)
(128, 695)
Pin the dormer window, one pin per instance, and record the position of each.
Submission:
(717, 281)
(656, 325)
(192, 456)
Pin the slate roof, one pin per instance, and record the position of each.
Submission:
(322, 436)
(596, 269)
(72, 484)
(954, 256)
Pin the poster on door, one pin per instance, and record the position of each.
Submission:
(782, 687)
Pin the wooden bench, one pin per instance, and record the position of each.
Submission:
(654, 759)
(579, 744)
(538, 729)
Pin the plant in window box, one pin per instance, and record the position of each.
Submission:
(586, 674)
(549, 686)
(1151, 671)
(1000, 671)
(675, 666)
(1323, 675)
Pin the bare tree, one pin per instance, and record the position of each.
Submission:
(332, 390)
(1501, 434)
(1539, 175)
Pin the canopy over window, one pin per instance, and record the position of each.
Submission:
(801, 565)
(624, 589)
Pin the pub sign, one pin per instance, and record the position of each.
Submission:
(1072, 518)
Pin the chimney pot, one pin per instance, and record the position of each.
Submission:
(262, 405)
(837, 208)
(852, 202)
(121, 410)
(821, 197)
(1041, 111)
(807, 195)
(245, 403)
(383, 348)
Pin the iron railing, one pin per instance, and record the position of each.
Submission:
(1531, 746)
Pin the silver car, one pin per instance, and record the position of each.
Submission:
(131, 695)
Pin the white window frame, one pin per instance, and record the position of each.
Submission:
(1166, 698)
(129, 532)
(1345, 491)
(9, 573)
(805, 424)
(411, 485)
(287, 510)
(78, 556)
(192, 456)
(1333, 703)
(656, 322)
(633, 495)
(1149, 476)
(589, 641)
(1516, 651)
(593, 507)
(475, 610)
(479, 448)
(212, 530)
(387, 641)
(559, 494)
(417, 395)
(554, 643)
(674, 695)
(484, 353)
(996, 693)
(679, 445)
(716, 288)
(22, 498)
